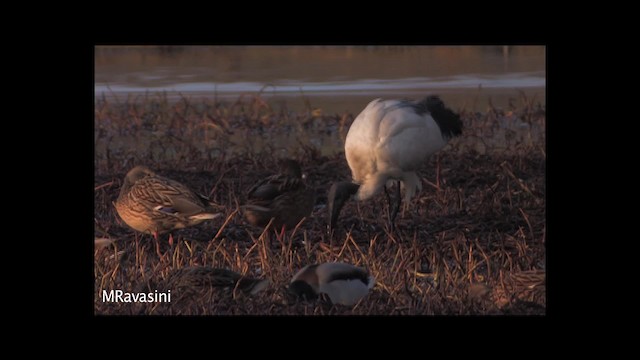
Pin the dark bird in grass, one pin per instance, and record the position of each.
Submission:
(152, 204)
(343, 283)
(195, 279)
(389, 140)
(283, 197)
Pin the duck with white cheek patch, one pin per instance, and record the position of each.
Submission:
(343, 283)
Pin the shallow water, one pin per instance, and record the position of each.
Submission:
(332, 79)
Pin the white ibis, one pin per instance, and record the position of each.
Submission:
(389, 140)
(344, 283)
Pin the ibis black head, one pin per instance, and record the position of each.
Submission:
(339, 193)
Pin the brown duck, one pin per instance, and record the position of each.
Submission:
(153, 204)
(196, 279)
(284, 197)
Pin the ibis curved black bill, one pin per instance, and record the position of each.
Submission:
(339, 193)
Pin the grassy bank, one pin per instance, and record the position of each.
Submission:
(471, 242)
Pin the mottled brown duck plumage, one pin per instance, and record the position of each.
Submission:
(152, 204)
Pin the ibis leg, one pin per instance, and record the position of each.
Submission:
(394, 212)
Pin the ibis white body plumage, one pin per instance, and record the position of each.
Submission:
(389, 140)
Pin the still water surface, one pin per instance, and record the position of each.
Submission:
(334, 79)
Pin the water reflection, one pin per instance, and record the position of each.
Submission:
(333, 78)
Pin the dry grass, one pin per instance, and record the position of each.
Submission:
(471, 242)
